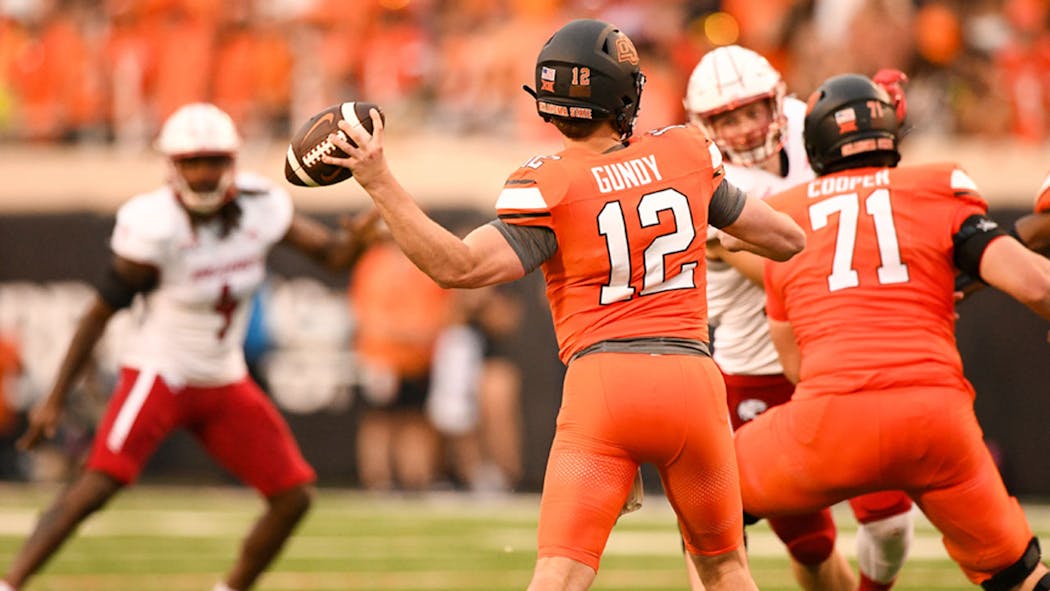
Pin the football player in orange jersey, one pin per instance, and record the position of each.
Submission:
(864, 320)
(618, 225)
(740, 101)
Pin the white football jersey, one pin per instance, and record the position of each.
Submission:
(191, 328)
(735, 305)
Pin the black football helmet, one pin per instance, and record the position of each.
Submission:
(850, 121)
(589, 70)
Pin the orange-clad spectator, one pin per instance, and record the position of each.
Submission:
(395, 60)
(13, 38)
(400, 312)
(273, 66)
(233, 81)
(328, 48)
(1024, 64)
(182, 52)
(760, 22)
(125, 58)
(48, 77)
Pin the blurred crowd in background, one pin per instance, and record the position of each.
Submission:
(108, 71)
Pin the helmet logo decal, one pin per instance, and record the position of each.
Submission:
(547, 76)
(625, 51)
(846, 120)
(563, 111)
(866, 145)
(550, 109)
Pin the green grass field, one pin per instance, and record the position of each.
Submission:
(181, 539)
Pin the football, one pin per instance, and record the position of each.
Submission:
(303, 165)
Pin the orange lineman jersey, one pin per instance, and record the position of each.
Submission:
(630, 227)
(870, 298)
(1042, 199)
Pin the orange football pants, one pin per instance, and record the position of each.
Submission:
(622, 409)
(924, 441)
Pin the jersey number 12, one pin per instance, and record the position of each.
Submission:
(613, 226)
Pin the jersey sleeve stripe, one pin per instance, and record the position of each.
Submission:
(716, 155)
(521, 198)
(962, 182)
(519, 182)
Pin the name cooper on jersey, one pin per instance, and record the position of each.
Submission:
(625, 175)
(845, 184)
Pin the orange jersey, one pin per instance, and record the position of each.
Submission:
(870, 297)
(631, 227)
(1042, 199)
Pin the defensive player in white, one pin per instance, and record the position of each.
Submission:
(195, 249)
(739, 100)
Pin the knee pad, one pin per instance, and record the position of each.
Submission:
(1043, 584)
(883, 545)
(1017, 572)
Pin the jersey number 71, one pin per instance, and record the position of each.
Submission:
(847, 205)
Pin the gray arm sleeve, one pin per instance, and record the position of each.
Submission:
(726, 205)
(533, 245)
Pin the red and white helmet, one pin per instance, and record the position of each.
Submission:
(199, 129)
(730, 77)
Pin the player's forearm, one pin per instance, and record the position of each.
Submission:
(770, 249)
(89, 330)
(1008, 266)
(1034, 231)
(766, 232)
(437, 252)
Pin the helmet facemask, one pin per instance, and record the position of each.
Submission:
(201, 131)
(203, 200)
(726, 79)
(773, 136)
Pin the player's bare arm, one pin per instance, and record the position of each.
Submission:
(1034, 231)
(482, 258)
(747, 263)
(124, 279)
(335, 250)
(764, 231)
(1009, 266)
(783, 336)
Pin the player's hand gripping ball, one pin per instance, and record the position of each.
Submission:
(303, 165)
